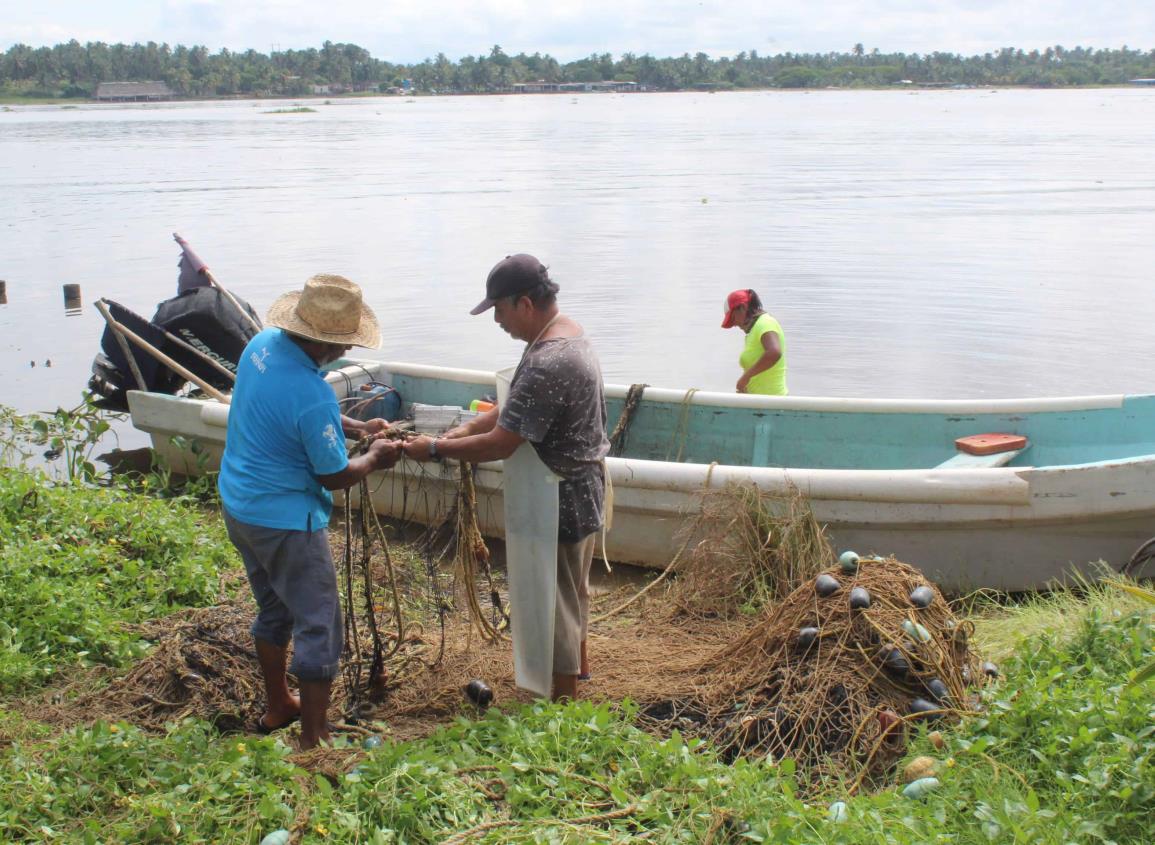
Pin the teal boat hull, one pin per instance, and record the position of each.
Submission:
(883, 476)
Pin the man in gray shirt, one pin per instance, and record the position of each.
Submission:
(557, 404)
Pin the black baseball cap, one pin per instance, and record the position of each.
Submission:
(512, 275)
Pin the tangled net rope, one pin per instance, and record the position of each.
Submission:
(364, 663)
(830, 686)
(369, 680)
(719, 653)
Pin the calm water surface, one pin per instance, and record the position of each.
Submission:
(917, 244)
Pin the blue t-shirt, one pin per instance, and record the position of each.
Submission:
(284, 430)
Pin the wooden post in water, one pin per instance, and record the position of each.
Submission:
(3, 292)
(72, 298)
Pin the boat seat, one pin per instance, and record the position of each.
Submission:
(964, 461)
(983, 451)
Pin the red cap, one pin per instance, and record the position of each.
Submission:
(736, 298)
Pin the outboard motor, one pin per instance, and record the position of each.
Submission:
(206, 320)
(200, 315)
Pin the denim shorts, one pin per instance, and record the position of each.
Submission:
(292, 577)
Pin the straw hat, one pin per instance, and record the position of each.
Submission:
(330, 310)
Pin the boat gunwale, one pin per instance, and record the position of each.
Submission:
(1007, 486)
(784, 403)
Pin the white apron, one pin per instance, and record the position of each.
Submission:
(531, 518)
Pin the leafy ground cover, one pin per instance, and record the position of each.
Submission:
(80, 562)
(1062, 755)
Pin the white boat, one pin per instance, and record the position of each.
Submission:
(884, 476)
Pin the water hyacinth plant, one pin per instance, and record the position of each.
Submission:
(1063, 754)
(79, 562)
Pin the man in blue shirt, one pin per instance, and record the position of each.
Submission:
(284, 451)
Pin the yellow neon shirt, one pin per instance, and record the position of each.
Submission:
(773, 381)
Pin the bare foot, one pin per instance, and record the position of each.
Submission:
(314, 712)
(565, 687)
(305, 743)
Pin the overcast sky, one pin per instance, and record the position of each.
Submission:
(411, 30)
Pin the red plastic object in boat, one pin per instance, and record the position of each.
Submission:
(990, 444)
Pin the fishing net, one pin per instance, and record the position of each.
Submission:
(799, 674)
(743, 549)
(748, 549)
(396, 617)
(411, 612)
(203, 664)
(830, 686)
(620, 436)
(717, 647)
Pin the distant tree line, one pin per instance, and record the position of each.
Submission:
(75, 69)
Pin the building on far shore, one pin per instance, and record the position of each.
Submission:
(133, 92)
(542, 87)
(1142, 81)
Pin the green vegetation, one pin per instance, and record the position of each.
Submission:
(1003, 626)
(116, 784)
(75, 69)
(1064, 754)
(1147, 671)
(70, 437)
(79, 562)
(297, 110)
(1084, 753)
(15, 94)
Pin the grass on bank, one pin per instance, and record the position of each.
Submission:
(1063, 753)
(80, 562)
(1004, 627)
(11, 100)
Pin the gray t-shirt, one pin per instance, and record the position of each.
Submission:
(557, 403)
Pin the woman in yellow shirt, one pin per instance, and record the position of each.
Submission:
(763, 358)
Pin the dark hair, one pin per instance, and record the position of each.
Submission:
(755, 303)
(542, 294)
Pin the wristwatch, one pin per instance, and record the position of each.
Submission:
(433, 453)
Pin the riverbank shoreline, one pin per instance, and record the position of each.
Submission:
(8, 99)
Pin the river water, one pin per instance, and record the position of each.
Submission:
(944, 244)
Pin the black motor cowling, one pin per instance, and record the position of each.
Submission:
(203, 317)
(206, 320)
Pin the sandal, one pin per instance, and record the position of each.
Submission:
(264, 730)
